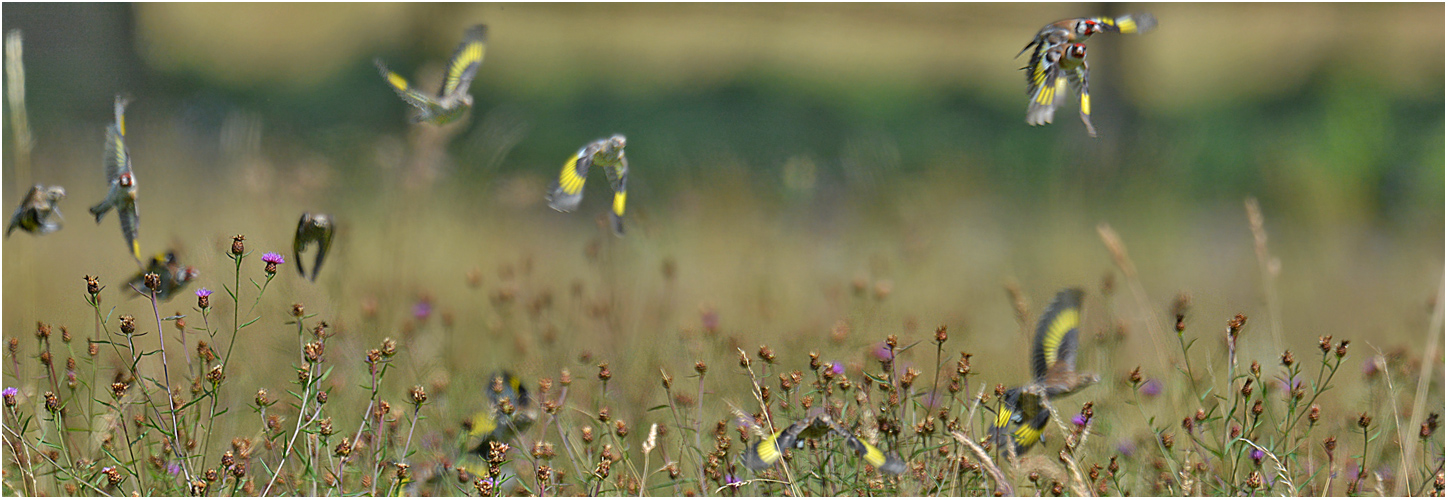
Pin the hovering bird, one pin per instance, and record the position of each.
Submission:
(122, 193)
(1023, 414)
(1055, 46)
(769, 450)
(510, 411)
(1063, 65)
(565, 194)
(174, 277)
(313, 228)
(38, 212)
(453, 99)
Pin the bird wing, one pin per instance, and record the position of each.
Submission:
(1079, 78)
(1045, 86)
(568, 190)
(301, 240)
(465, 61)
(403, 90)
(130, 226)
(1057, 333)
(324, 245)
(618, 179)
(888, 464)
(1141, 22)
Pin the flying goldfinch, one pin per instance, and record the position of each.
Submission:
(453, 99)
(769, 450)
(1063, 66)
(313, 228)
(510, 411)
(122, 192)
(1079, 29)
(174, 277)
(565, 194)
(38, 212)
(1023, 415)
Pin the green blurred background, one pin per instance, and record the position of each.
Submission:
(780, 153)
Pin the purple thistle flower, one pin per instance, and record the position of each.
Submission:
(1126, 448)
(883, 353)
(1257, 454)
(203, 293)
(422, 310)
(10, 392)
(1080, 420)
(733, 480)
(273, 258)
(174, 469)
(710, 320)
(1370, 367)
(837, 368)
(1152, 388)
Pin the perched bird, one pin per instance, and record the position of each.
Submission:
(453, 99)
(1023, 414)
(122, 193)
(313, 228)
(767, 451)
(565, 194)
(510, 411)
(174, 277)
(1053, 46)
(38, 213)
(1064, 64)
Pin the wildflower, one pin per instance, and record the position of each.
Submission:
(92, 285)
(1313, 414)
(940, 335)
(837, 368)
(1257, 455)
(766, 354)
(1152, 388)
(603, 372)
(699, 367)
(237, 247)
(422, 310)
(1370, 368)
(203, 299)
(884, 352)
(732, 480)
(1341, 349)
(128, 324)
(272, 259)
(419, 395)
(52, 403)
(389, 347)
(1287, 358)
(10, 392)
(1080, 420)
(1364, 420)
(152, 281)
(814, 361)
(261, 398)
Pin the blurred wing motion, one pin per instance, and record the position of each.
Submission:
(121, 194)
(769, 450)
(1057, 334)
(465, 62)
(453, 99)
(38, 212)
(1020, 421)
(1140, 22)
(565, 194)
(510, 411)
(618, 179)
(174, 276)
(312, 228)
(888, 464)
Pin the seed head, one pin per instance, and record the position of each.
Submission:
(1430, 426)
(128, 324)
(92, 285)
(419, 395)
(1313, 413)
(940, 335)
(1287, 358)
(261, 398)
(1257, 408)
(603, 372)
(237, 247)
(814, 361)
(766, 354)
(1364, 420)
(52, 403)
(42, 330)
(1167, 440)
(1134, 376)
(389, 347)
(1342, 349)
(962, 367)
(153, 281)
(298, 310)
(1330, 443)
(216, 375)
(1325, 343)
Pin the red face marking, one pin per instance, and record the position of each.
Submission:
(126, 180)
(1078, 51)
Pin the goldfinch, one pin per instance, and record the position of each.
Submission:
(453, 99)
(1061, 67)
(567, 191)
(767, 451)
(38, 212)
(312, 228)
(1079, 29)
(174, 277)
(122, 192)
(1023, 416)
(510, 411)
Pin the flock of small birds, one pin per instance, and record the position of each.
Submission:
(1058, 60)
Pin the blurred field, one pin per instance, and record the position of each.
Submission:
(797, 169)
